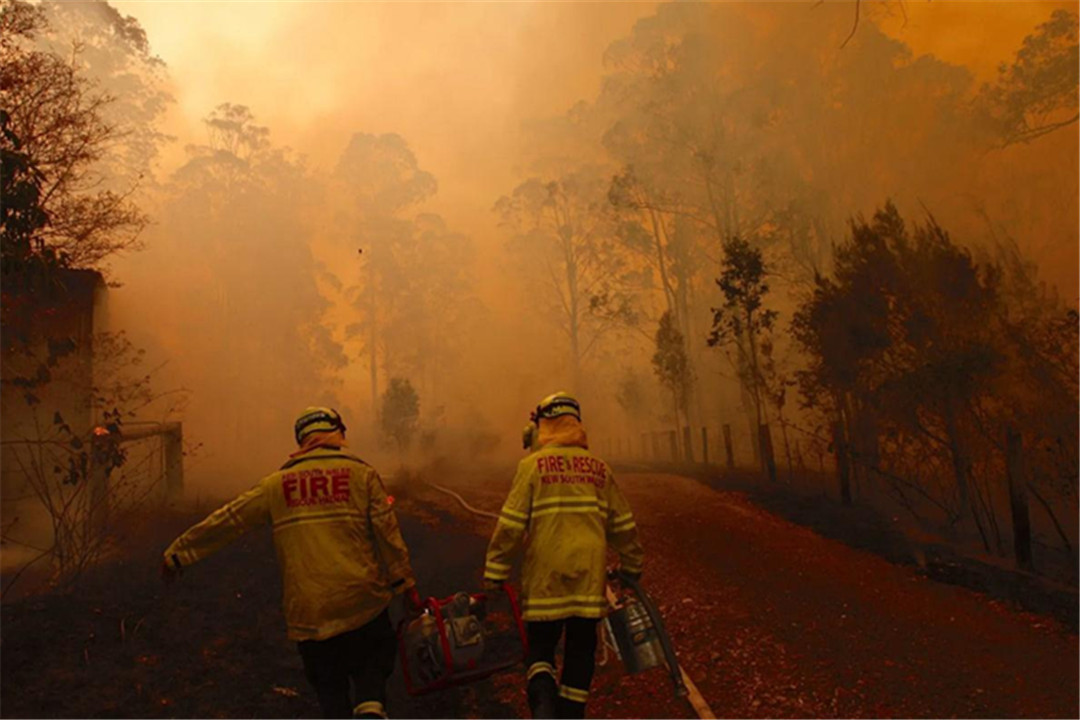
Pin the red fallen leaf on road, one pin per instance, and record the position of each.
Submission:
(150, 660)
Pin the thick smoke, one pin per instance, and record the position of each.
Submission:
(307, 133)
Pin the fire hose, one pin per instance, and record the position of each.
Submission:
(461, 500)
(684, 686)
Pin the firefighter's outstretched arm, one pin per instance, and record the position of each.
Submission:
(387, 536)
(510, 528)
(220, 528)
(622, 531)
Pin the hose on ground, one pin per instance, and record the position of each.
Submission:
(467, 506)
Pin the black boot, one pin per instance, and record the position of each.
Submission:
(542, 695)
(569, 709)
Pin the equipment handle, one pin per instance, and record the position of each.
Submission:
(661, 629)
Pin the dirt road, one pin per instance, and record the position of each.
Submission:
(797, 625)
(772, 620)
(769, 619)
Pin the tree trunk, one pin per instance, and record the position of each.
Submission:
(678, 423)
(787, 447)
(843, 466)
(863, 444)
(960, 461)
(729, 451)
(704, 445)
(747, 396)
(755, 439)
(1057, 524)
(734, 204)
(688, 445)
(768, 458)
(856, 458)
(1021, 519)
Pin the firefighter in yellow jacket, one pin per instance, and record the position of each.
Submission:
(341, 557)
(565, 507)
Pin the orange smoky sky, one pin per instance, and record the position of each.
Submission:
(458, 79)
(464, 83)
(979, 35)
(455, 79)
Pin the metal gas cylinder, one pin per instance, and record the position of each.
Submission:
(636, 636)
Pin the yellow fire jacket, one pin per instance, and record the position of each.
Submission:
(339, 548)
(566, 502)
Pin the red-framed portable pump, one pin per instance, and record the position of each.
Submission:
(455, 641)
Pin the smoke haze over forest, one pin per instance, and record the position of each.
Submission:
(424, 134)
(485, 71)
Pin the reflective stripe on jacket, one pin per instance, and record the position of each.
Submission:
(339, 548)
(567, 503)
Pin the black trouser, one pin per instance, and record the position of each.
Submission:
(579, 663)
(365, 656)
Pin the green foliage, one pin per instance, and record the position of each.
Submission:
(742, 320)
(563, 236)
(57, 132)
(400, 412)
(29, 267)
(103, 451)
(113, 52)
(28, 264)
(1036, 94)
(22, 214)
(908, 317)
(670, 362)
(411, 289)
(915, 340)
(631, 394)
(383, 174)
(744, 286)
